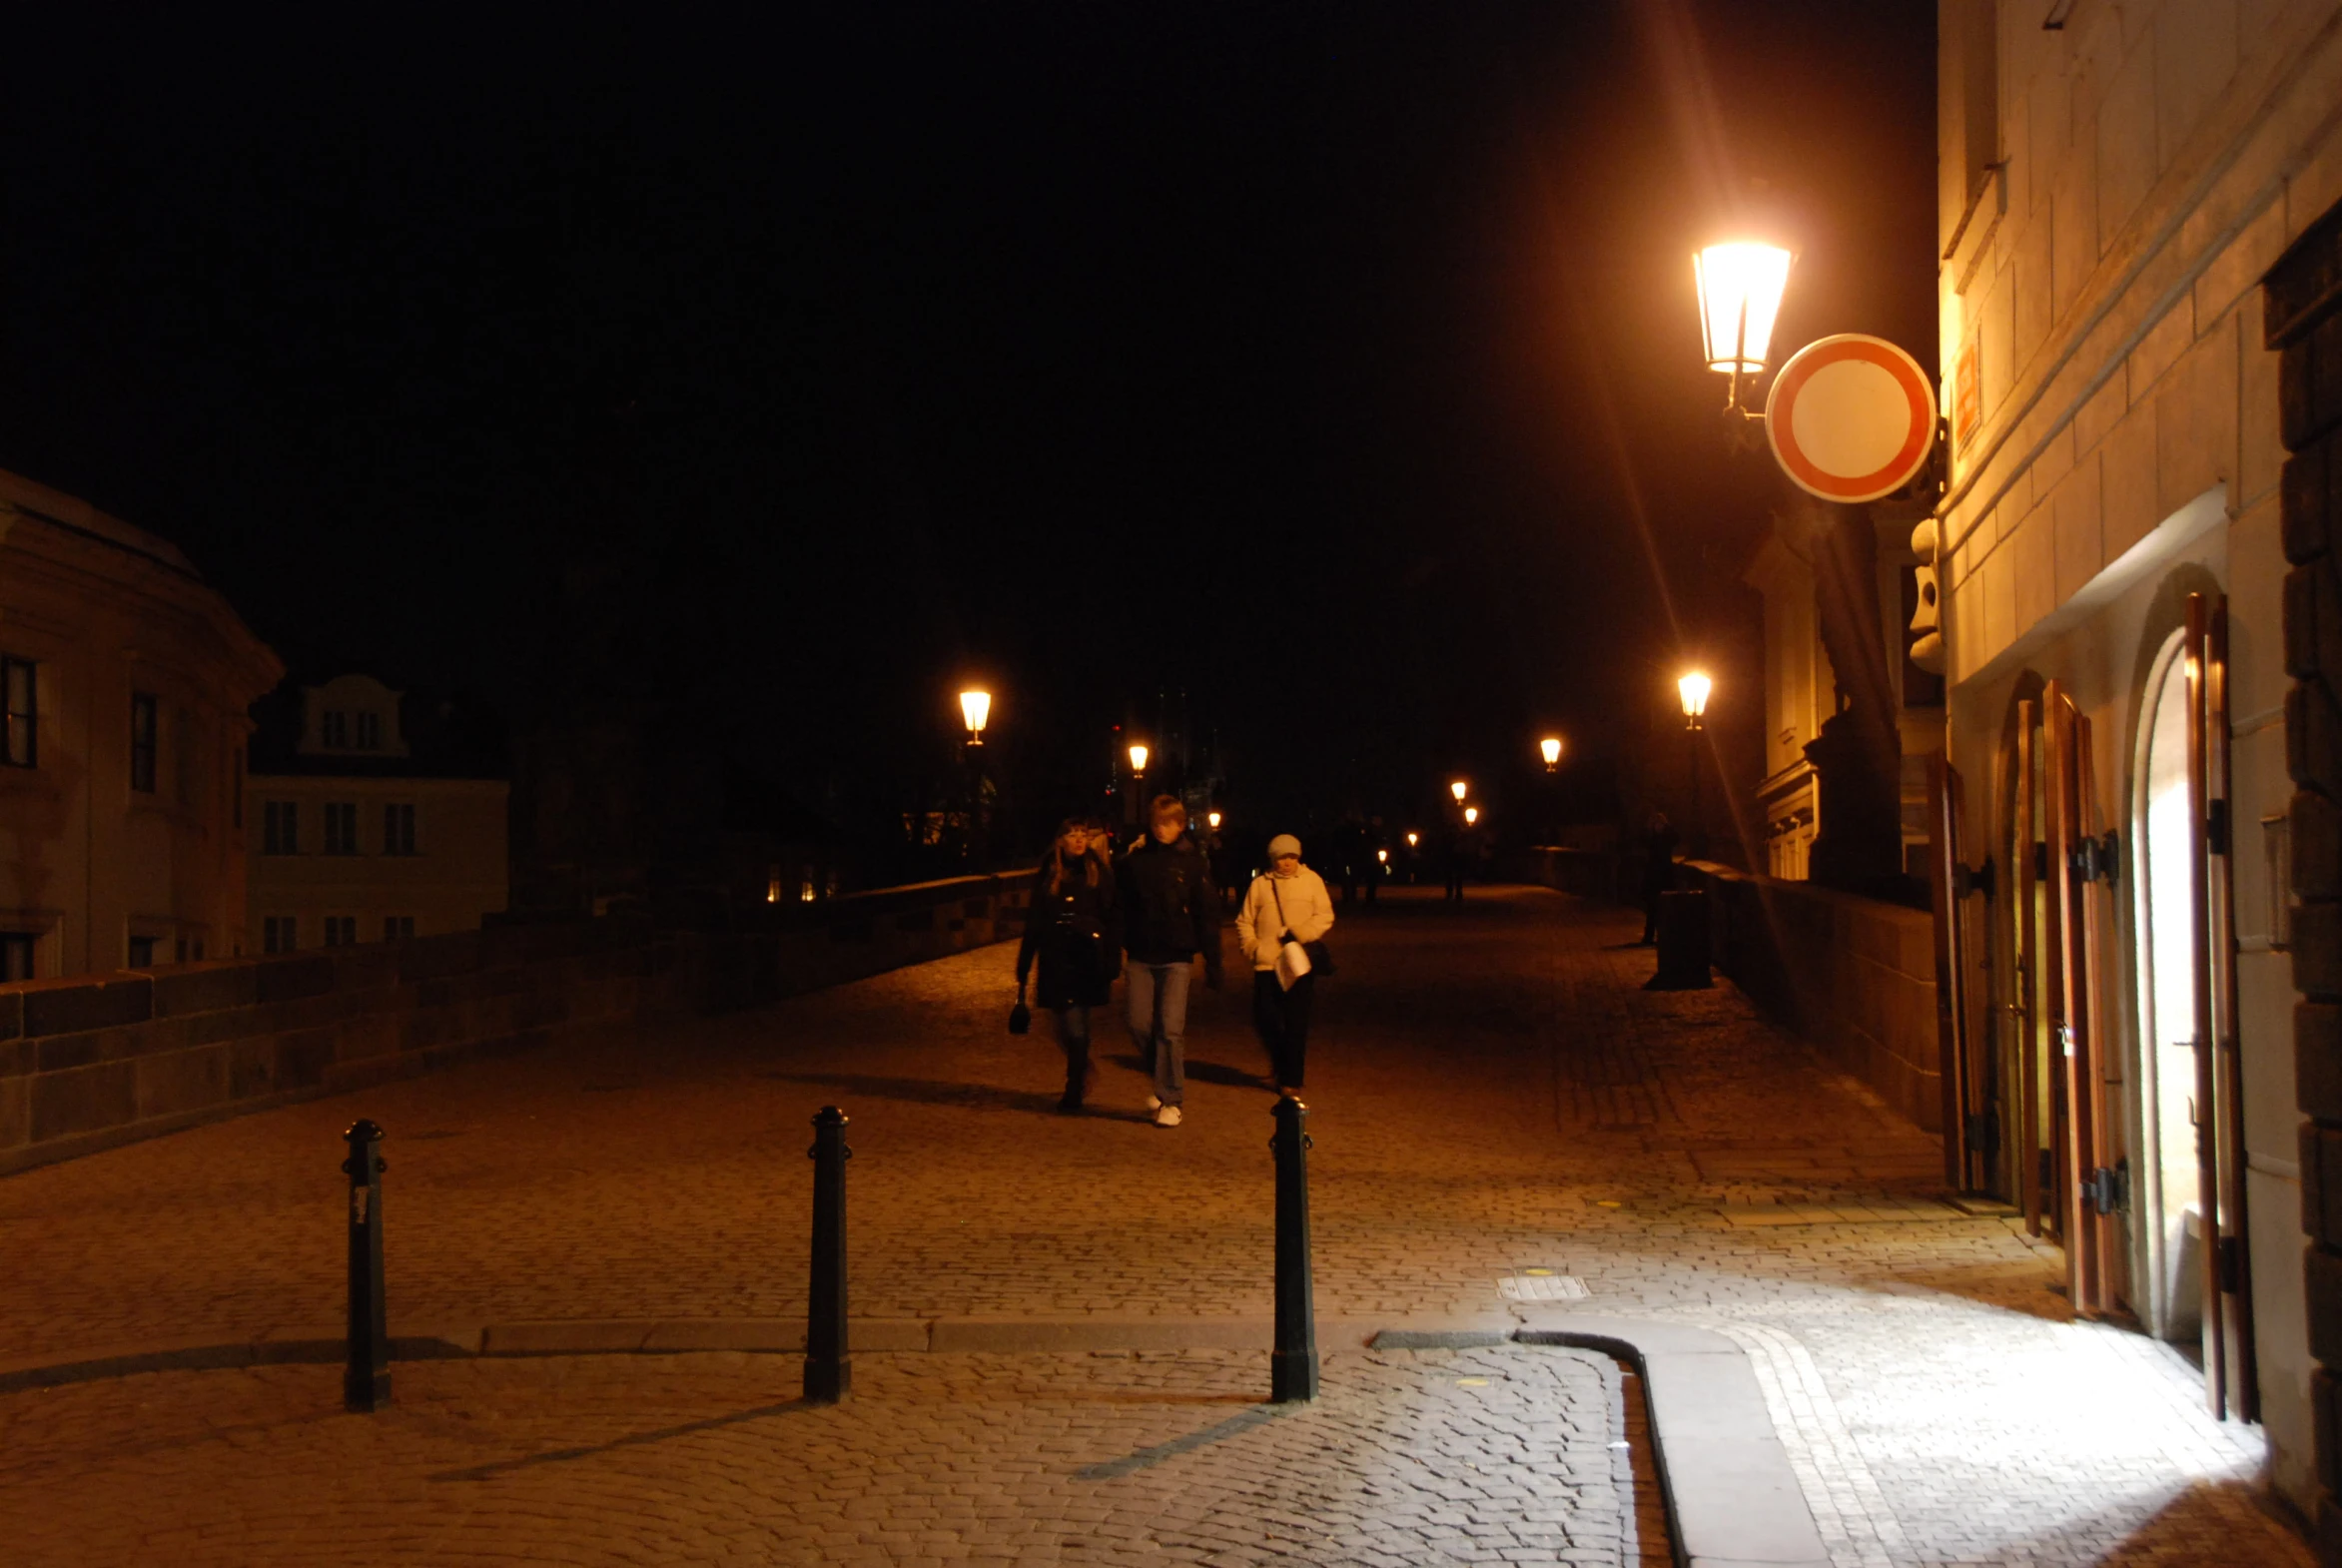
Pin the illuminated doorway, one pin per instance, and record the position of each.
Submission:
(2164, 894)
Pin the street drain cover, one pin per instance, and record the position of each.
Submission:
(1542, 1287)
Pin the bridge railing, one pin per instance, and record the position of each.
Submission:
(94, 1061)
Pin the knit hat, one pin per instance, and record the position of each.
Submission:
(1284, 844)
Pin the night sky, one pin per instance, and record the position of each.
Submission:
(1335, 363)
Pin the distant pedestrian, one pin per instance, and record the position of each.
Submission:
(1458, 854)
(1170, 915)
(1658, 870)
(1287, 903)
(1074, 927)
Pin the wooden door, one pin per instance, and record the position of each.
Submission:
(2023, 1006)
(1964, 1080)
(2232, 1371)
(2074, 918)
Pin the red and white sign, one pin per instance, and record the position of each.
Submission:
(1851, 418)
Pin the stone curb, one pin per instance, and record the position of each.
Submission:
(1731, 1499)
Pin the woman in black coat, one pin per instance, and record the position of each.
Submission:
(1074, 926)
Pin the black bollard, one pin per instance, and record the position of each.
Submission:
(1292, 1365)
(366, 1382)
(829, 1376)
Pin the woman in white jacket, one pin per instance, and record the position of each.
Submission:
(1287, 904)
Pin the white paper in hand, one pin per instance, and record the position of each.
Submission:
(1293, 962)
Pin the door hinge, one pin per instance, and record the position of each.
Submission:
(2216, 826)
(2108, 1189)
(2098, 859)
(1973, 879)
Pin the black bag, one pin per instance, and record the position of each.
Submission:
(1320, 961)
(1020, 1016)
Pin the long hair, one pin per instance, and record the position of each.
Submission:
(1091, 859)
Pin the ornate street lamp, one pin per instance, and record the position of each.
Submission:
(1459, 789)
(1692, 689)
(975, 707)
(1741, 284)
(1137, 759)
(1551, 747)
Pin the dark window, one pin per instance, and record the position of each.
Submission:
(142, 742)
(21, 692)
(370, 732)
(398, 928)
(16, 955)
(276, 934)
(142, 952)
(341, 827)
(340, 931)
(337, 728)
(281, 829)
(398, 829)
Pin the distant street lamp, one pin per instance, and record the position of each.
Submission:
(1213, 817)
(976, 707)
(1692, 689)
(1414, 839)
(1459, 789)
(1137, 759)
(1382, 855)
(1741, 284)
(1471, 815)
(1551, 747)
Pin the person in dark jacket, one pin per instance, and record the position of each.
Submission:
(1170, 914)
(1074, 927)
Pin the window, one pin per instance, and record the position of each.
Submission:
(337, 728)
(281, 829)
(21, 693)
(398, 928)
(142, 952)
(340, 931)
(276, 932)
(142, 743)
(398, 829)
(341, 827)
(16, 955)
(370, 732)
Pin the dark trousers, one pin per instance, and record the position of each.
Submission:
(1074, 1036)
(1455, 883)
(1283, 1019)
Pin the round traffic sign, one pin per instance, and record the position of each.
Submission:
(1851, 418)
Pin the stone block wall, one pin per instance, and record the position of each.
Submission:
(1854, 976)
(101, 1059)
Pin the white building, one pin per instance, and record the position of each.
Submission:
(370, 822)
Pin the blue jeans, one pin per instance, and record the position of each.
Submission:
(1158, 1023)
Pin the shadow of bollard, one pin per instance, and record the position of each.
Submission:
(829, 1375)
(366, 1380)
(1292, 1363)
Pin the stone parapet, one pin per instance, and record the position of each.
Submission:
(101, 1059)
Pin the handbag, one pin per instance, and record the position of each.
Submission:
(1020, 1016)
(1319, 958)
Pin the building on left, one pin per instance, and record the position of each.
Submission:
(125, 685)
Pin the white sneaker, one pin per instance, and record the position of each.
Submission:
(1167, 1116)
(1154, 1101)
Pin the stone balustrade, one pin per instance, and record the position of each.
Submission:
(98, 1060)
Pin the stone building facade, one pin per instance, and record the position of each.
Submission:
(376, 817)
(126, 681)
(2140, 262)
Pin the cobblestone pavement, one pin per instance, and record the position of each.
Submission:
(1491, 1094)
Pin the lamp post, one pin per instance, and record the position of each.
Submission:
(1691, 689)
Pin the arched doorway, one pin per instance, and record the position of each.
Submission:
(2164, 894)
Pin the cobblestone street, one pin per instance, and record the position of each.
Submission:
(1501, 1115)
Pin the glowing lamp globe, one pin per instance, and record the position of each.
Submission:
(1137, 759)
(976, 707)
(1471, 815)
(1694, 689)
(1741, 286)
(1459, 789)
(1551, 747)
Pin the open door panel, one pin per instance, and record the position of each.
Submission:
(2218, 971)
(1946, 883)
